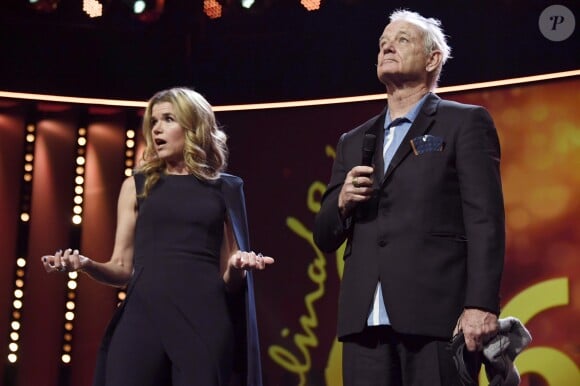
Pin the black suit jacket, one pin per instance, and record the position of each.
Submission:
(434, 232)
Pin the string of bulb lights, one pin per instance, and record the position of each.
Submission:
(23, 232)
(71, 288)
(151, 9)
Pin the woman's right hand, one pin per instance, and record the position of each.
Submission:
(67, 261)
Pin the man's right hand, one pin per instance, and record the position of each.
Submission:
(357, 187)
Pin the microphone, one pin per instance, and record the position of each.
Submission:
(366, 210)
(368, 149)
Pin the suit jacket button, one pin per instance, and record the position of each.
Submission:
(382, 243)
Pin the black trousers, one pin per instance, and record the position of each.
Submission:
(378, 356)
(137, 356)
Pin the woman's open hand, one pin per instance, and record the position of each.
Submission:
(67, 261)
(250, 260)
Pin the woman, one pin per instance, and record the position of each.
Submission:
(180, 247)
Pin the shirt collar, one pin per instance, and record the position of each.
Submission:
(410, 116)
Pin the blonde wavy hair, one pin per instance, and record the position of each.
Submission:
(205, 151)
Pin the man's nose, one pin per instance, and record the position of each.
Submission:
(388, 47)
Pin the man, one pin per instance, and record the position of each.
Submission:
(424, 224)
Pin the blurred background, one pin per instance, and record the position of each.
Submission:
(64, 155)
(241, 51)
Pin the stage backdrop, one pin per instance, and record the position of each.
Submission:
(285, 156)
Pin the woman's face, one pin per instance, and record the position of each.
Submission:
(168, 136)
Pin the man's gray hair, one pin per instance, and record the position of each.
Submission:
(433, 35)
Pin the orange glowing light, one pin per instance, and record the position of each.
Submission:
(311, 5)
(212, 9)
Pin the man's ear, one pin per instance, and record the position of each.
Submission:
(433, 61)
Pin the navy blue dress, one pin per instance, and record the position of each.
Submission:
(177, 295)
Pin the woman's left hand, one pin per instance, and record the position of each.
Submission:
(250, 260)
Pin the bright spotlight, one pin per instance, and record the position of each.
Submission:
(247, 3)
(93, 8)
(146, 10)
(139, 6)
(44, 5)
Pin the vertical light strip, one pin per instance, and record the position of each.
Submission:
(22, 245)
(130, 158)
(76, 227)
(130, 151)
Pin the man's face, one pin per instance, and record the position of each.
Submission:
(401, 56)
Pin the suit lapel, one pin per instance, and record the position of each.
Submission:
(420, 126)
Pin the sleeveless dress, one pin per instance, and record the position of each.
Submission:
(177, 287)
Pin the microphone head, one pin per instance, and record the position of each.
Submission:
(368, 150)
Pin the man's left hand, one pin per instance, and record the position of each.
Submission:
(478, 327)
